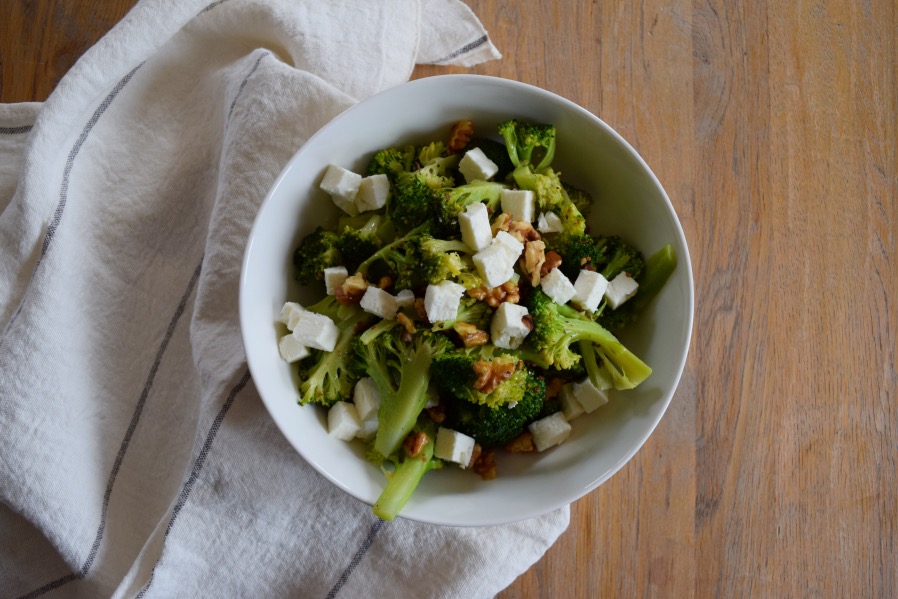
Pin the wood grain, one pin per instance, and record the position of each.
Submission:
(774, 127)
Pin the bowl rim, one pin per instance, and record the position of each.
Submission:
(683, 261)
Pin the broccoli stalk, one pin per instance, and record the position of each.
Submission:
(454, 201)
(407, 473)
(401, 371)
(556, 327)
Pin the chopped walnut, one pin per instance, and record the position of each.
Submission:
(553, 261)
(523, 231)
(527, 321)
(420, 310)
(506, 292)
(553, 388)
(460, 135)
(501, 223)
(352, 290)
(523, 443)
(533, 259)
(485, 464)
(414, 443)
(492, 373)
(437, 413)
(475, 455)
(406, 322)
(470, 335)
(385, 282)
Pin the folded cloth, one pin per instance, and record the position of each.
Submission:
(136, 458)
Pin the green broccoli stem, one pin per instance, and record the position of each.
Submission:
(597, 375)
(400, 410)
(655, 273)
(632, 370)
(403, 481)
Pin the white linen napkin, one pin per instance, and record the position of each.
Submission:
(136, 458)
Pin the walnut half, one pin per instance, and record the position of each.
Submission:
(492, 373)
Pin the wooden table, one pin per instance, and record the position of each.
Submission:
(773, 126)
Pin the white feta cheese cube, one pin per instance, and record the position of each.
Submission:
(570, 407)
(475, 166)
(519, 203)
(453, 446)
(291, 349)
(474, 223)
(550, 431)
(290, 314)
(620, 289)
(379, 302)
(368, 429)
(557, 286)
(316, 330)
(441, 301)
(507, 329)
(508, 242)
(373, 192)
(588, 395)
(405, 298)
(334, 276)
(343, 421)
(494, 265)
(548, 222)
(342, 185)
(366, 398)
(590, 287)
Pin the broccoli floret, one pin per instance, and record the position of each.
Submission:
(471, 311)
(580, 197)
(419, 259)
(317, 251)
(391, 162)
(357, 243)
(454, 372)
(328, 377)
(556, 327)
(658, 268)
(401, 370)
(454, 201)
(411, 201)
(551, 197)
(492, 426)
(609, 255)
(522, 139)
(407, 472)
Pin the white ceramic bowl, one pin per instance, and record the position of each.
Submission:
(629, 201)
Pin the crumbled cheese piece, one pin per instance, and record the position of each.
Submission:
(366, 397)
(557, 286)
(368, 429)
(548, 222)
(588, 395)
(379, 302)
(290, 314)
(550, 431)
(405, 298)
(316, 330)
(494, 264)
(441, 301)
(590, 287)
(342, 185)
(475, 166)
(519, 203)
(507, 329)
(453, 446)
(475, 226)
(334, 277)
(569, 404)
(343, 421)
(291, 349)
(373, 192)
(620, 289)
(507, 241)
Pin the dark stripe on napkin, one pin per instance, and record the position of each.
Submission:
(196, 470)
(463, 50)
(15, 130)
(356, 559)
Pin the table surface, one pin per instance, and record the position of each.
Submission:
(772, 125)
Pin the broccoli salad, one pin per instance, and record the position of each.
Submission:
(468, 309)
